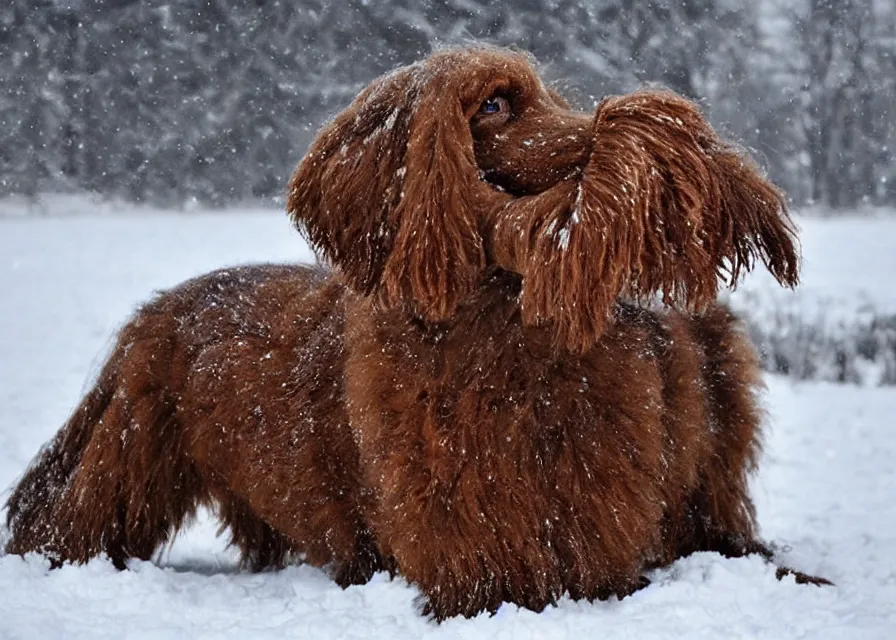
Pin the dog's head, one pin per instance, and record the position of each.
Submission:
(466, 160)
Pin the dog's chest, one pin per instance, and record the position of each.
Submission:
(482, 430)
(488, 389)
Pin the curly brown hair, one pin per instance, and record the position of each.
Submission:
(478, 394)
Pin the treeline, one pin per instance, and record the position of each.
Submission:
(163, 101)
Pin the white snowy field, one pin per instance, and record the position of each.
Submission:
(826, 490)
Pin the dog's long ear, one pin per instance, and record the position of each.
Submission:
(388, 192)
(349, 181)
(662, 206)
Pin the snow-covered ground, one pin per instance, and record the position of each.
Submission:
(826, 489)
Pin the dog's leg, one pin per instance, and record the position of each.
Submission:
(261, 546)
(720, 516)
(115, 479)
(359, 566)
(721, 513)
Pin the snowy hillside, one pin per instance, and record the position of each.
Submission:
(825, 491)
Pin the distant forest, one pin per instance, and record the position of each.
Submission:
(166, 102)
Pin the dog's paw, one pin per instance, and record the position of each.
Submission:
(486, 595)
(802, 578)
(449, 601)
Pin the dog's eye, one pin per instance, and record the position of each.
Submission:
(494, 106)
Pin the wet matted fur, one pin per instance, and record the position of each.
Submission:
(478, 395)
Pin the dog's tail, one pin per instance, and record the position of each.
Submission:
(33, 506)
(114, 480)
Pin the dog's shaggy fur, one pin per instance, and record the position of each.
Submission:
(477, 397)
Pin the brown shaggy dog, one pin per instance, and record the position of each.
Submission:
(475, 398)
